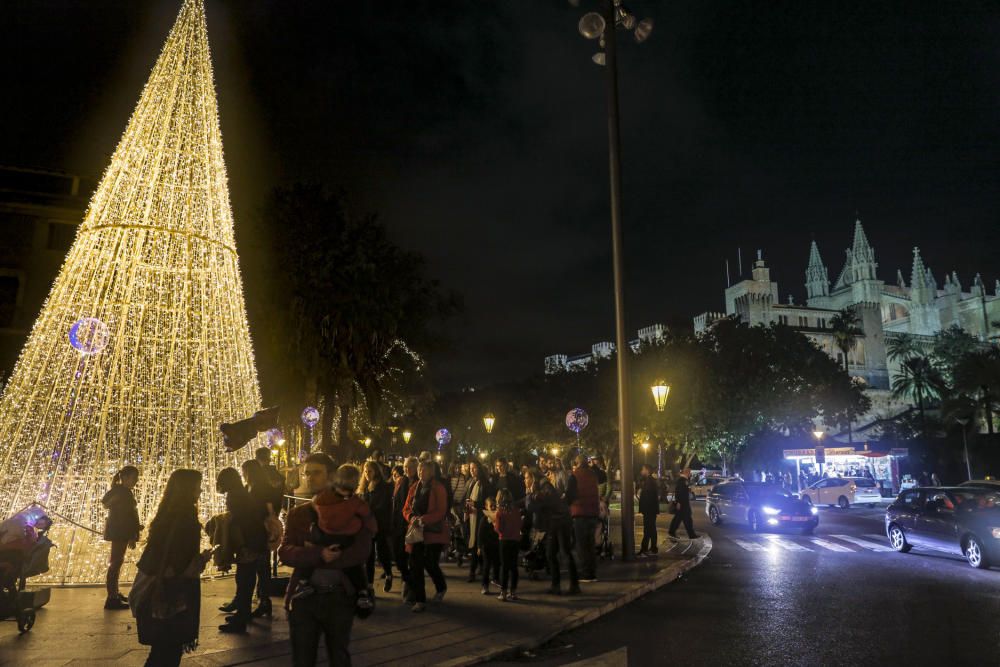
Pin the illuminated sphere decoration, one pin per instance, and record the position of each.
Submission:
(150, 296)
(443, 437)
(310, 416)
(89, 335)
(577, 420)
(275, 437)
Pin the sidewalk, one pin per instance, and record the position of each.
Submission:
(466, 628)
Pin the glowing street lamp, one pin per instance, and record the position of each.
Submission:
(818, 434)
(661, 390)
(482, 455)
(645, 451)
(488, 421)
(407, 434)
(367, 442)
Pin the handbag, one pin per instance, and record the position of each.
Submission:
(414, 533)
(158, 593)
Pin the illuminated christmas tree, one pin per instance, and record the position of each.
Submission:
(142, 347)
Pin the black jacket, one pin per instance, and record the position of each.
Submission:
(508, 481)
(682, 494)
(247, 513)
(123, 523)
(548, 508)
(398, 521)
(649, 496)
(380, 501)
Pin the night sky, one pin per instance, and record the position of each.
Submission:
(476, 129)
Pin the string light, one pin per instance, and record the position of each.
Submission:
(155, 262)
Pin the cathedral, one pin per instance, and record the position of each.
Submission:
(919, 309)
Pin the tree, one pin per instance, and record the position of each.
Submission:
(976, 375)
(353, 314)
(846, 329)
(919, 379)
(901, 347)
(950, 347)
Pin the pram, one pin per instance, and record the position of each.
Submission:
(24, 553)
(533, 558)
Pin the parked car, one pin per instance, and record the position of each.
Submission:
(907, 482)
(842, 492)
(762, 506)
(982, 483)
(963, 520)
(702, 487)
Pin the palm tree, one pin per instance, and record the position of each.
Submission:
(846, 329)
(919, 379)
(901, 347)
(977, 375)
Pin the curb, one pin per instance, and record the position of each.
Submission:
(660, 579)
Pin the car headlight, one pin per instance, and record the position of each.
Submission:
(814, 510)
(770, 510)
(996, 533)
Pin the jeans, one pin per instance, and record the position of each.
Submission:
(508, 564)
(399, 554)
(246, 578)
(648, 532)
(425, 557)
(557, 540)
(491, 561)
(326, 615)
(164, 655)
(115, 562)
(380, 544)
(584, 528)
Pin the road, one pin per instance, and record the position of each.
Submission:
(838, 597)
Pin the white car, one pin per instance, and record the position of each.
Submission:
(843, 492)
(704, 486)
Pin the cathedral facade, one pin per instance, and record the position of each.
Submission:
(919, 308)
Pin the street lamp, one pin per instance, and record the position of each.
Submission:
(407, 434)
(488, 421)
(367, 442)
(482, 455)
(965, 445)
(645, 451)
(602, 27)
(661, 390)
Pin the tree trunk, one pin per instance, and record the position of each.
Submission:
(988, 409)
(326, 425)
(343, 431)
(850, 412)
(923, 418)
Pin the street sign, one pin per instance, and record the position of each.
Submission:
(821, 455)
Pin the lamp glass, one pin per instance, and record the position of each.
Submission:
(661, 390)
(488, 421)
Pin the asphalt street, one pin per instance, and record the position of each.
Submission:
(838, 597)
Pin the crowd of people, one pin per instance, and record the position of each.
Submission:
(345, 524)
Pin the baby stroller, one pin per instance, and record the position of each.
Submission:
(533, 559)
(24, 553)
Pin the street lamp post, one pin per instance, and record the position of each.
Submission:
(602, 26)
(818, 434)
(645, 452)
(407, 434)
(661, 390)
(965, 446)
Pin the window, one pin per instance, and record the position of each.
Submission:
(910, 499)
(821, 322)
(783, 319)
(9, 286)
(725, 490)
(803, 321)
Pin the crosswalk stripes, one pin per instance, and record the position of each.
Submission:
(832, 546)
(788, 545)
(865, 544)
(771, 543)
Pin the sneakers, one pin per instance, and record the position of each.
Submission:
(387, 586)
(512, 596)
(115, 603)
(486, 590)
(503, 596)
(654, 550)
(364, 601)
(588, 580)
(439, 596)
(418, 607)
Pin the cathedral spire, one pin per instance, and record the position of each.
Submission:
(862, 255)
(817, 279)
(919, 272)
(899, 279)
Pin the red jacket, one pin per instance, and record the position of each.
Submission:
(508, 524)
(586, 500)
(295, 553)
(437, 510)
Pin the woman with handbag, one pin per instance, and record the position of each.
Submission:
(475, 502)
(166, 596)
(377, 492)
(427, 533)
(122, 529)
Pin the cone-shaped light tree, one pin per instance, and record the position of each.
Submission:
(142, 347)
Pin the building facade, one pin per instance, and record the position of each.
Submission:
(39, 214)
(560, 363)
(920, 308)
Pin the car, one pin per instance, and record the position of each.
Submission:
(842, 492)
(908, 482)
(704, 486)
(982, 483)
(762, 506)
(963, 520)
